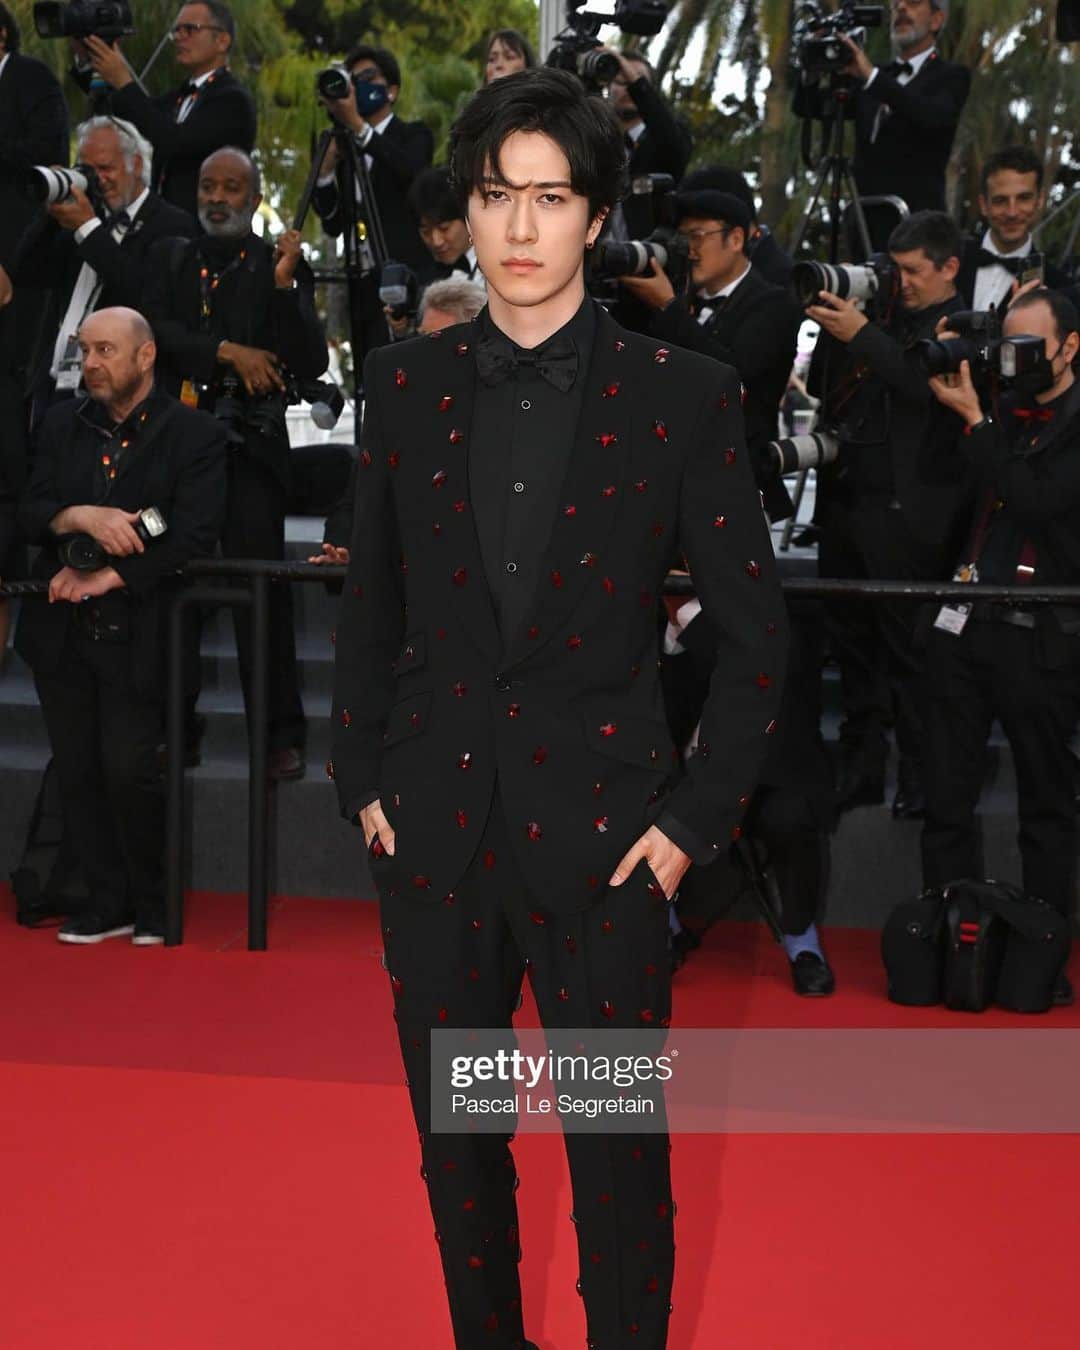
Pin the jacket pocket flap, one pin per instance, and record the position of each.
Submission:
(637, 740)
(408, 717)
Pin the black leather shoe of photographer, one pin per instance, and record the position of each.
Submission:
(92, 927)
(910, 800)
(811, 976)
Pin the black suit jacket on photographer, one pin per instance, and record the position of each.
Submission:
(909, 157)
(176, 463)
(398, 154)
(247, 308)
(892, 411)
(664, 146)
(1053, 276)
(51, 257)
(756, 332)
(33, 130)
(223, 114)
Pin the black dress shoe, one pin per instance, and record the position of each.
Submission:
(286, 764)
(1063, 992)
(910, 800)
(811, 976)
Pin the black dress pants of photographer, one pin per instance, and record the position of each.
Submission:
(994, 670)
(873, 641)
(787, 823)
(255, 528)
(104, 736)
(459, 963)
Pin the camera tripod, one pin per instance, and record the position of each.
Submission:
(362, 226)
(833, 168)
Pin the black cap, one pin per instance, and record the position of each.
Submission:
(722, 179)
(708, 204)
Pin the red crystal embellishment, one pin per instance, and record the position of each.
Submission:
(393, 459)
(465, 760)
(609, 728)
(619, 345)
(729, 455)
(610, 390)
(365, 458)
(534, 831)
(753, 570)
(446, 402)
(660, 430)
(720, 523)
(459, 576)
(574, 641)
(438, 478)
(762, 680)
(569, 510)
(539, 755)
(400, 378)
(607, 1008)
(556, 580)
(607, 438)
(600, 826)
(456, 435)
(346, 718)
(461, 348)
(608, 585)
(609, 491)
(460, 689)
(462, 819)
(661, 355)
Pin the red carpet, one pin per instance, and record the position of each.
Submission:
(212, 1148)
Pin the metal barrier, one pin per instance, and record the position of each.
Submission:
(261, 574)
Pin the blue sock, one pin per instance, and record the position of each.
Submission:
(803, 942)
(674, 926)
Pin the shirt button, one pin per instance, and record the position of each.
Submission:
(519, 487)
(511, 567)
(525, 404)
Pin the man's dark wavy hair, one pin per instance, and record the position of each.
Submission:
(552, 102)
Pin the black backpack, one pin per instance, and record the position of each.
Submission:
(48, 883)
(972, 943)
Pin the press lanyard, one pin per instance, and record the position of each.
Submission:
(208, 284)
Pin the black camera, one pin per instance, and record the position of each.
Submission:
(264, 414)
(106, 19)
(633, 257)
(979, 341)
(333, 82)
(792, 454)
(83, 553)
(817, 39)
(576, 48)
(399, 290)
(873, 285)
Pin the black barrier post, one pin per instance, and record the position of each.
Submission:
(174, 775)
(258, 786)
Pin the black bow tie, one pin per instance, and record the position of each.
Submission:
(556, 361)
(901, 68)
(186, 90)
(1013, 265)
(119, 220)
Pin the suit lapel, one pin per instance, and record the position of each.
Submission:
(589, 501)
(451, 414)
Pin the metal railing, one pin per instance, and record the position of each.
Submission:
(261, 575)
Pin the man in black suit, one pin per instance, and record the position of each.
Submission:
(891, 503)
(210, 110)
(1017, 664)
(394, 152)
(731, 313)
(86, 261)
(443, 228)
(499, 728)
(233, 315)
(1011, 201)
(96, 648)
(771, 261)
(906, 114)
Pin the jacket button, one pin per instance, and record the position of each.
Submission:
(502, 683)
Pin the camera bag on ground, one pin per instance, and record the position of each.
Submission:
(47, 883)
(972, 943)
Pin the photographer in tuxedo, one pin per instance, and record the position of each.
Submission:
(210, 109)
(499, 730)
(906, 114)
(86, 262)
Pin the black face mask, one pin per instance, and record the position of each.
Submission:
(1037, 380)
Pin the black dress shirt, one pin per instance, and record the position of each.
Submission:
(523, 430)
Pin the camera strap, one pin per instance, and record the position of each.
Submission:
(952, 617)
(209, 282)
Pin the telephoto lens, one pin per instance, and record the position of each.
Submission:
(46, 186)
(943, 356)
(333, 83)
(849, 281)
(81, 552)
(810, 451)
(597, 67)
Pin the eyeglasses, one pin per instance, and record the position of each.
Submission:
(190, 29)
(696, 236)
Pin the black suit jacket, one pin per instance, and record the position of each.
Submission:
(176, 464)
(48, 257)
(756, 333)
(33, 130)
(1055, 278)
(431, 706)
(398, 154)
(223, 114)
(910, 155)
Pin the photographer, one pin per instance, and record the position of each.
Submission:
(394, 153)
(906, 113)
(1020, 665)
(93, 254)
(1011, 202)
(732, 314)
(96, 648)
(770, 260)
(210, 110)
(443, 227)
(889, 506)
(656, 140)
(234, 317)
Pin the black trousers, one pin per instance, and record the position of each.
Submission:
(459, 963)
(872, 640)
(255, 528)
(995, 670)
(104, 736)
(786, 822)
